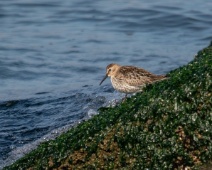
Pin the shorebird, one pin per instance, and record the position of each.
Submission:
(129, 79)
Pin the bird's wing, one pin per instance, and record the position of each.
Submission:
(134, 76)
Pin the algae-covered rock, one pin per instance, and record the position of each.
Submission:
(167, 126)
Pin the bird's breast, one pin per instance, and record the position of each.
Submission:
(122, 86)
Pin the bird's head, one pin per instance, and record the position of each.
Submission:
(111, 70)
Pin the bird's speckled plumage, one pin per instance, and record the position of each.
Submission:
(130, 79)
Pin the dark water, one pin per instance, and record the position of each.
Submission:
(53, 55)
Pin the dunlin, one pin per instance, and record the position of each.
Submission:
(130, 79)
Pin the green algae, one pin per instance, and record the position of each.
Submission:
(167, 126)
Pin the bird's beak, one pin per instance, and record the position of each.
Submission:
(103, 79)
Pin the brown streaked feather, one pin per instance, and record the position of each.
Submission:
(129, 79)
(110, 65)
(137, 76)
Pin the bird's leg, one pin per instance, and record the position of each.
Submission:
(125, 97)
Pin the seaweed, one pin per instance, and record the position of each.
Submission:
(167, 126)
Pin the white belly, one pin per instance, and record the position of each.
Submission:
(123, 87)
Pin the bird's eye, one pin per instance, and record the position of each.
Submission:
(109, 70)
